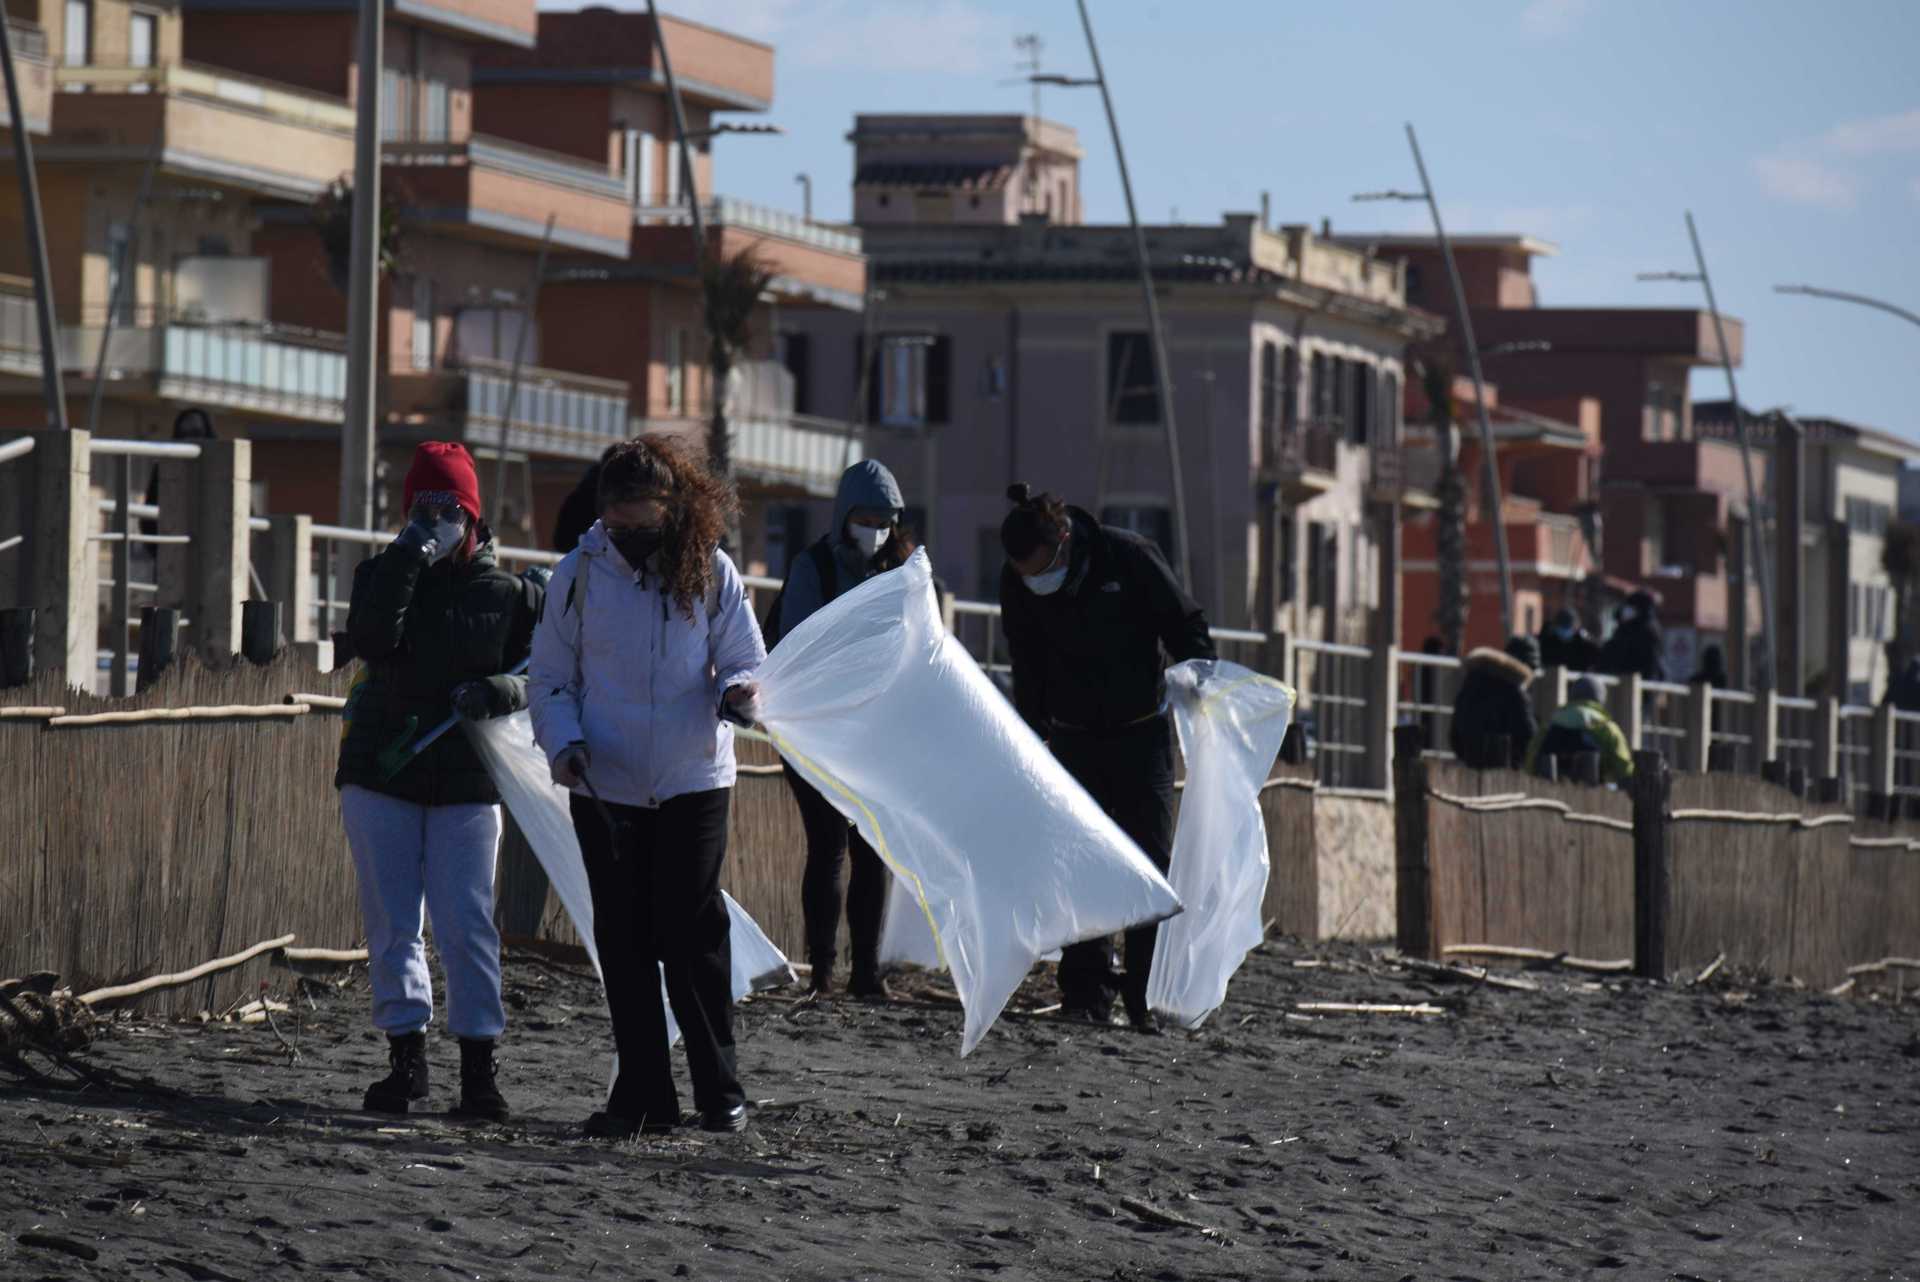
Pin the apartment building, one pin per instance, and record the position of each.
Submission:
(195, 149)
(1007, 342)
(1835, 597)
(592, 88)
(1670, 501)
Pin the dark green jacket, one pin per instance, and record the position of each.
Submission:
(421, 630)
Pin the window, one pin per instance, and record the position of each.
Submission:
(396, 108)
(142, 37)
(676, 371)
(1133, 394)
(1322, 547)
(639, 162)
(1339, 394)
(77, 46)
(493, 334)
(422, 323)
(796, 354)
(1290, 390)
(1390, 408)
(1361, 424)
(1416, 286)
(122, 289)
(438, 124)
(1318, 391)
(1149, 521)
(1864, 516)
(1269, 389)
(673, 174)
(908, 385)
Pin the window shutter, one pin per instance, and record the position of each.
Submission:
(799, 362)
(939, 367)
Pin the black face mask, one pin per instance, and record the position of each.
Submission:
(637, 545)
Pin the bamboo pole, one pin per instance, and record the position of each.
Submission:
(259, 712)
(155, 983)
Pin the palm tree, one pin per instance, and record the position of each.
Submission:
(731, 286)
(1450, 534)
(1900, 558)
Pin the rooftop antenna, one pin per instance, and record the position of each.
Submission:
(1028, 64)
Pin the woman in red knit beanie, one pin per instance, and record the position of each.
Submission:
(437, 624)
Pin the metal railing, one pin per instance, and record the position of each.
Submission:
(554, 411)
(1906, 754)
(725, 211)
(515, 159)
(216, 85)
(1427, 685)
(242, 366)
(1734, 739)
(1663, 718)
(1305, 447)
(328, 567)
(1795, 735)
(1331, 682)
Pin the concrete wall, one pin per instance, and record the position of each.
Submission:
(1354, 833)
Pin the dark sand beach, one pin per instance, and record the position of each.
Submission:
(1597, 1127)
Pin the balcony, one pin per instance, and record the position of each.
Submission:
(555, 413)
(219, 127)
(504, 191)
(35, 76)
(264, 369)
(1303, 460)
(776, 451)
(810, 260)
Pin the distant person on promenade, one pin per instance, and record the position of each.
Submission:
(1903, 692)
(645, 650)
(1092, 615)
(866, 539)
(436, 623)
(1635, 646)
(1566, 644)
(1584, 726)
(1712, 670)
(1493, 721)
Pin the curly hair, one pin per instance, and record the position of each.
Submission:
(701, 505)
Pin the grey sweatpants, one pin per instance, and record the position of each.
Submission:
(440, 857)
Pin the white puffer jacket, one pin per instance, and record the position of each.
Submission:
(618, 666)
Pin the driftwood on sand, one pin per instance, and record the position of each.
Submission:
(154, 983)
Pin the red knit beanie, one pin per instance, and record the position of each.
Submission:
(444, 466)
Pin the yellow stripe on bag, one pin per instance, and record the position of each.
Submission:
(880, 846)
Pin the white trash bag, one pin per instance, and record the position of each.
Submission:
(1231, 722)
(539, 806)
(1003, 854)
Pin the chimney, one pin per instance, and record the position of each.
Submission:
(1266, 210)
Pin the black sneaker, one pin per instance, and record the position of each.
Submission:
(722, 1120)
(406, 1084)
(1144, 1022)
(479, 1093)
(868, 986)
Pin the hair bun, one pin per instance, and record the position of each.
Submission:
(1020, 492)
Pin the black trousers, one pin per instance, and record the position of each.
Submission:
(1130, 774)
(830, 839)
(656, 904)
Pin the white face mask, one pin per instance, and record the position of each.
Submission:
(868, 539)
(1050, 580)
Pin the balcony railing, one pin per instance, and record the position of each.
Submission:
(1306, 447)
(725, 211)
(272, 369)
(554, 411)
(512, 158)
(282, 102)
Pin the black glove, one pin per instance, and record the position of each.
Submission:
(474, 700)
(417, 540)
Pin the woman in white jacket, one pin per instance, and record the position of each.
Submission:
(645, 650)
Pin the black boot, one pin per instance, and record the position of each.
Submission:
(866, 982)
(479, 1094)
(821, 982)
(407, 1083)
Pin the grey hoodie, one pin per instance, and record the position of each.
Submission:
(866, 485)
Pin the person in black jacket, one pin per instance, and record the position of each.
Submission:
(580, 509)
(1712, 670)
(1091, 615)
(1635, 646)
(1493, 719)
(438, 624)
(1566, 644)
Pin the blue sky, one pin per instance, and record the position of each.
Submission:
(1790, 128)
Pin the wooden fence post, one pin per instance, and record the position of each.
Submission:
(1880, 755)
(1652, 863)
(1412, 881)
(1381, 712)
(1826, 738)
(1699, 755)
(1628, 708)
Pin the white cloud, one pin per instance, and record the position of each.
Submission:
(1551, 19)
(1880, 134)
(958, 37)
(1805, 180)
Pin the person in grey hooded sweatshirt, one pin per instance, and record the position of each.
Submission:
(866, 538)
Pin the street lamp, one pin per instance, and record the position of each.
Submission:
(1814, 291)
(1491, 468)
(1163, 374)
(1757, 544)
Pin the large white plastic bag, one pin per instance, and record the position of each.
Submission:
(1231, 722)
(539, 806)
(880, 709)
